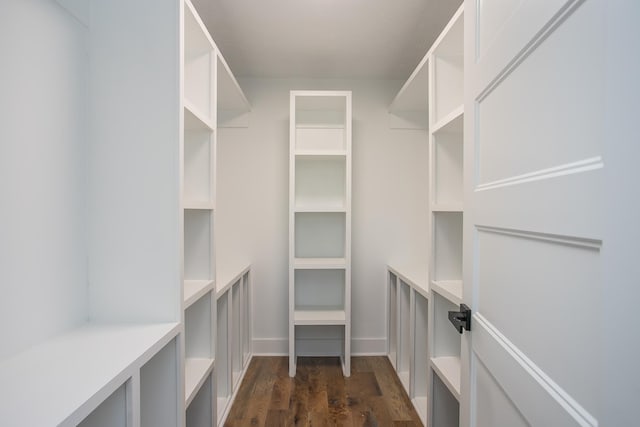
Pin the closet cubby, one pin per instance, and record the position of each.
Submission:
(320, 224)
(199, 345)
(236, 327)
(392, 310)
(420, 360)
(159, 388)
(320, 183)
(199, 57)
(233, 349)
(447, 166)
(445, 353)
(112, 412)
(198, 255)
(447, 63)
(408, 336)
(445, 407)
(447, 251)
(320, 234)
(322, 289)
(201, 410)
(404, 354)
(199, 161)
(246, 318)
(223, 372)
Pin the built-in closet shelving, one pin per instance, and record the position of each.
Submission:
(216, 301)
(233, 351)
(408, 309)
(446, 82)
(147, 355)
(198, 151)
(423, 346)
(320, 223)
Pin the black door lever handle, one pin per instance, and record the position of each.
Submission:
(461, 320)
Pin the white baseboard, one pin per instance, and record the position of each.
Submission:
(280, 346)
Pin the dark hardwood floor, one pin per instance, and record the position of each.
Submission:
(320, 396)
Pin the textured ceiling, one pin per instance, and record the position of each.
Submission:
(325, 38)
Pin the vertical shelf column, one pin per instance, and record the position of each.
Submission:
(446, 69)
(198, 155)
(320, 226)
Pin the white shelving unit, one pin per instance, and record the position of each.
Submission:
(419, 329)
(212, 99)
(320, 224)
(198, 154)
(408, 308)
(446, 69)
(233, 350)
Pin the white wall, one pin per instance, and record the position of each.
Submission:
(43, 268)
(389, 204)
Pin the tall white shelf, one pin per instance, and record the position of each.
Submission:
(446, 82)
(320, 224)
(211, 99)
(423, 346)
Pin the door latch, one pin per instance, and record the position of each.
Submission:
(461, 319)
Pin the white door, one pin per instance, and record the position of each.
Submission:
(551, 213)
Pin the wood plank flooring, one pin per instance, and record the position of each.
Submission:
(320, 396)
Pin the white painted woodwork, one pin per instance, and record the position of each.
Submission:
(419, 368)
(319, 222)
(159, 388)
(234, 339)
(408, 333)
(404, 343)
(96, 359)
(201, 410)
(536, 235)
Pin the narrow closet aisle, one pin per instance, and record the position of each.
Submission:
(319, 213)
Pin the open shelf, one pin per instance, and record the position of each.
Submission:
(404, 345)
(313, 316)
(198, 235)
(246, 318)
(449, 289)
(236, 334)
(200, 410)
(448, 369)
(233, 107)
(320, 235)
(199, 159)
(447, 164)
(319, 263)
(322, 288)
(420, 359)
(199, 54)
(392, 344)
(448, 68)
(196, 373)
(196, 120)
(410, 107)
(223, 368)
(112, 412)
(95, 358)
(445, 407)
(196, 289)
(415, 276)
(320, 183)
(159, 387)
(199, 345)
(447, 246)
